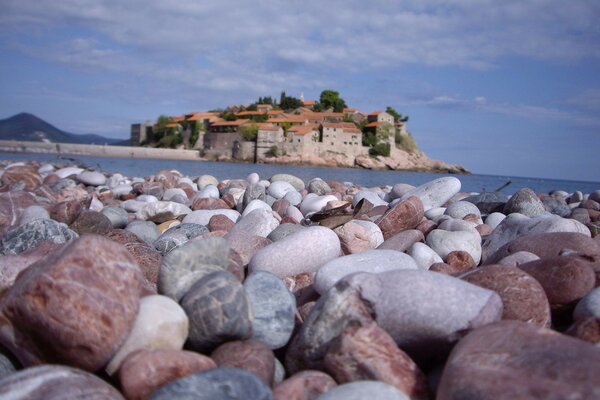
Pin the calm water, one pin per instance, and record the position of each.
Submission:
(221, 170)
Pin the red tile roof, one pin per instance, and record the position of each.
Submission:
(372, 124)
(375, 113)
(309, 102)
(302, 129)
(237, 122)
(247, 113)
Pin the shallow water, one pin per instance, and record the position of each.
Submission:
(225, 170)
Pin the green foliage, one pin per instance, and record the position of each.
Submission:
(273, 151)
(397, 116)
(259, 118)
(380, 149)
(369, 138)
(406, 142)
(265, 100)
(348, 118)
(331, 98)
(170, 141)
(160, 127)
(196, 129)
(317, 107)
(252, 107)
(228, 116)
(285, 126)
(249, 132)
(289, 103)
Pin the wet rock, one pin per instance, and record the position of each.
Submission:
(369, 353)
(273, 309)
(219, 311)
(144, 371)
(56, 382)
(374, 261)
(297, 253)
(29, 235)
(74, 307)
(187, 264)
(536, 362)
(522, 295)
(91, 222)
(250, 355)
(305, 385)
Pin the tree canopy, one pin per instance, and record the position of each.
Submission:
(288, 102)
(331, 98)
(397, 116)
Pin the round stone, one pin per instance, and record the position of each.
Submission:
(172, 193)
(360, 390)
(12, 205)
(273, 309)
(461, 209)
(319, 187)
(356, 237)
(374, 261)
(117, 216)
(296, 182)
(162, 211)
(250, 355)
(402, 241)
(205, 180)
(74, 307)
(160, 324)
(92, 178)
(279, 189)
(56, 382)
(255, 205)
(31, 234)
(177, 236)
(525, 202)
(423, 255)
(216, 384)
(315, 203)
(494, 219)
(144, 371)
(185, 265)
(283, 230)
(145, 230)
(588, 306)
(435, 193)
(443, 242)
(304, 385)
(404, 215)
(202, 217)
(295, 254)
(91, 222)
(219, 311)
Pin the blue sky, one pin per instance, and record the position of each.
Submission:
(506, 88)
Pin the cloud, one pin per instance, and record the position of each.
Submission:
(587, 100)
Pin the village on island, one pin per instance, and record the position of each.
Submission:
(294, 131)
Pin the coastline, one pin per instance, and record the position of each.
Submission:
(421, 164)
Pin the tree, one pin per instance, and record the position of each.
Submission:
(289, 103)
(228, 116)
(249, 132)
(331, 98)
(397, 116)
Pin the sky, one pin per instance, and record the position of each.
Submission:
(502, 87)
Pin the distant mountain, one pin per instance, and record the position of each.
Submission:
(28, 127)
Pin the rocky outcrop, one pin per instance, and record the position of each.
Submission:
(400, 160)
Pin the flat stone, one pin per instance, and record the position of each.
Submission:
(117, 216)
(144, 371)
(219, 311)
(423, 255)
(360, 390)
(92, 178)
(296, 253)
(250, 355)
(304, 385)
(435, 308)
(537, 363)
(517, 225)
(33, 233)
(444, 242)
(160, 324)
(162, 211)
(523, 297)
(187, 264)
(369, 353)
(296, 182)
(525, 202)
(56, 382)
(273, 309)
(202, 217)
(435, 193)
(145, 230)
(91, 222)
(406, 214)
(177, 236)
(75, 307)
(374, 261)
(216, 384)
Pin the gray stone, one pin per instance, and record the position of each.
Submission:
(187, 264)
(172, 193)
(162, 211)
(360, 390)
(488, 202)
(177, 236)
(215, 384)
(494, 219)
(117, 216)
(133, 205)
(202, 217)
(319, 187)
(424, 255)
(435, 193)
(461, 209)
(302, 251)
(259, 222)
(296, 182)
(284, 230)
(32, 213)
(279, 189)
(374, 261)
(293, 197)
(517, 225)
(255, 205)
(29, 235)
(315, 203)
(370, 196)
(556, 206)
(273, 309)
(145, 230)
(7, 365)
(402, 241)
(91, 178)
(56, 382)
(254, 191)
(399, 190)
(525, 202)
(588, 306)
(219, 311)
(444, 242)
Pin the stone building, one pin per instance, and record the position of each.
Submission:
(141, 132)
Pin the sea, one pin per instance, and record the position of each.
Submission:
(137, 167)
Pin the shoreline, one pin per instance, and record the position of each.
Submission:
(93, 150)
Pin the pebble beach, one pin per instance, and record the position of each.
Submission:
(272, 287)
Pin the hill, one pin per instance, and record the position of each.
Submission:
(28, 127)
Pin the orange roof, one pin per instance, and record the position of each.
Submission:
(309, 102)
(350, 110)
(178, 118)
(294, 119)
(173, 125)
(302, 129)
(268, 127)
(200, 116)
(247, 113)
(346, 126)
(372, 124)
(237, 122)
(275, 112)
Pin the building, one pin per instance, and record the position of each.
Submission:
(141, 133)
